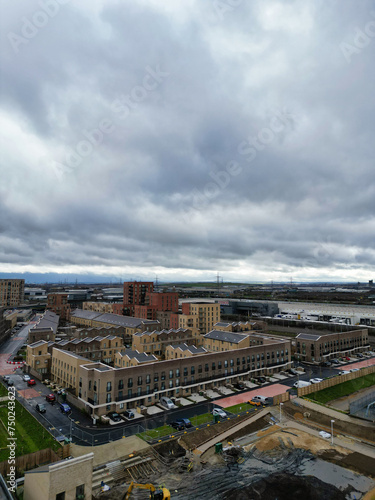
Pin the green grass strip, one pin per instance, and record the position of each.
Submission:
(344, 389)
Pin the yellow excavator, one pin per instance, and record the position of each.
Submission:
(155, 494)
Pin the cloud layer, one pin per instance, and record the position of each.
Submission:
(182, 138)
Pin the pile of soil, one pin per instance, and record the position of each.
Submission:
(287, 487)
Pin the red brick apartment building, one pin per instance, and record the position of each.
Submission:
(135, 294)
(58, 303)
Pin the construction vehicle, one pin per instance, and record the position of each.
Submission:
(155, 494)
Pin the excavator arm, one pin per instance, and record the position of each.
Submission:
(160, 494)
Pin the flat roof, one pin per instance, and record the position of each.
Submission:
(234, 338)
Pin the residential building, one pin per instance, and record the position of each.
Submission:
(135, 294)
(241, 326)
(38, 359)
(64, 368)
(316, 348)
(39, 355)
(10, 316)
(64, 480)
(129, 357)
(12, 292)
(183, 351)
(4, 329)
(98, 320)
(46, 327)
(104, 388)
(156, 342)
(101, 307)
(58, 303)
(218, 340)
(200, 315)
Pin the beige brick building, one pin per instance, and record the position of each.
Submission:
(317, 348)
(100, 307)
(68, 479)
(64, 368)
(129, 357)
(156, 342)
(12, 292)
(197, 315)
(38, 358)
(218, 340)
(104, 389)
(183, 351)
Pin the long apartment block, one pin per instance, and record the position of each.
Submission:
(102, 388)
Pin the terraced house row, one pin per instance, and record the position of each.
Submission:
(102, 388)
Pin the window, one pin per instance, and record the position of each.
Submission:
(60, 496)
(213, 366)
(130, 382)
(140, 380)
(219, 365)
(156, 377)
(192, 371)
(185, 372)
(177, 372)
(120, 384)
(170, 373)
(109, 386)
(200, 369)
(162, 377)
(80, 492)
(108, 398)
(206, 367)
(226, 363)
(148, 379)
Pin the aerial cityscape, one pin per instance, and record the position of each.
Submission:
(187, 297)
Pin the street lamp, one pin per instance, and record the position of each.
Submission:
(332, 432)
(281, 404)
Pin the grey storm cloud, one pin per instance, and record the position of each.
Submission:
(183, 138)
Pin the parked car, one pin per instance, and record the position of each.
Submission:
(115, 417)
(293, 371)
(65, 408)
(31, 382)
(178, 425)
(51, 398)
(187, 422)
(240, 386)
(218, 411)
(26, 378)
(301, 383)
(316, 380)
(326, 364)
(335, 361)
(343, 372)
(41, 408)
(167, 403)
(354, 370)
(346, 358)
(128, 414)
(10, 382)
(261, 380)
(6, 378)
(360, 355)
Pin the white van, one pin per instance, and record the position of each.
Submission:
(301, 383)
(167, 402)
(260, 399)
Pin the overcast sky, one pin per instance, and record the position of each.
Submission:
(182, 138)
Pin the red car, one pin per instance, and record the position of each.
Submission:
(31, 382)
(50, 398)
(346, 358)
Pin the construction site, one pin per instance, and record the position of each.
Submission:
(264, 456)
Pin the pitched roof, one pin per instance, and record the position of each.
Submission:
(234, 338)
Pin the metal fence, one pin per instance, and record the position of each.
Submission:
(359, 407)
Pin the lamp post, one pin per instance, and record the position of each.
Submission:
(281, 404)
(332, 421)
